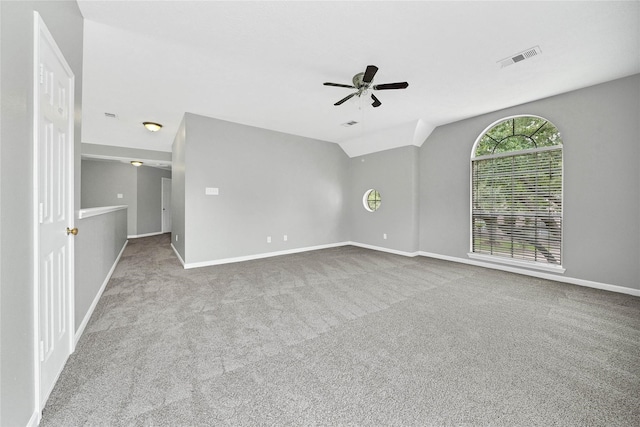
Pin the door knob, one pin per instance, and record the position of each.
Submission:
(73, 231)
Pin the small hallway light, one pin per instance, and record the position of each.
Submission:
(136, 163)
(151, 126)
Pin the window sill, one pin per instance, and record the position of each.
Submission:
(517, 263)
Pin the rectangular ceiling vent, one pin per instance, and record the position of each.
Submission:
(350, 123)
(529, 53)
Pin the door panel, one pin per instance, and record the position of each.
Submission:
(53, 174)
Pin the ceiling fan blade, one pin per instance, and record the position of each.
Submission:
(369, 73)
(376, 101)
(338, 85)
(346, 98)
(385, 86)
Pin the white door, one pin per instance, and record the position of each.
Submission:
(53, 177)
(166, 205)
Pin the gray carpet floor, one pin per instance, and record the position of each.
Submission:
(348, 336)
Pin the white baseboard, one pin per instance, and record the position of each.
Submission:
(538, 274)
(85, 321)
(382, 249)
(177, 254)
(257, 256)
(35, 419)
(137, 236)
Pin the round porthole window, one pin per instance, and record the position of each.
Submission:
(371, 200)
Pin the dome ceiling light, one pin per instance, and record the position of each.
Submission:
(152, 126)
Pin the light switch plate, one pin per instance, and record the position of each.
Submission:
(120, 196)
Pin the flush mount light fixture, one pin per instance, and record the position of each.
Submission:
(136, 163)
(151, 126)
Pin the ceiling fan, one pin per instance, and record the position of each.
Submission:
(362, 82)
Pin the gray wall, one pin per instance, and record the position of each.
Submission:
(98, 244)
(266, 179)
(103, 180)
(394, 173)
(270, 184)
(140, 187)
(149, 216)
(600, 128)
(65, 22)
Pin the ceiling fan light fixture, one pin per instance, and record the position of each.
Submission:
(136, 163)
(152, 126)
(363, 84)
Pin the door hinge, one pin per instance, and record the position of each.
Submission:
(42, 351)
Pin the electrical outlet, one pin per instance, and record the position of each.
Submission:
(268, 239)
(176, 237)
(384, 236)
(285, 238)
(120, 196)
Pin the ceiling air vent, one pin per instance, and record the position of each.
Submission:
(350, 123)
(520, 56)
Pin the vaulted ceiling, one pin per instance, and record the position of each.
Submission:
(263, 63)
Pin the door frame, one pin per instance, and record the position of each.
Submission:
(41, 32)
(164, 181)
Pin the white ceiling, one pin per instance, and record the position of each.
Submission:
(263, 63)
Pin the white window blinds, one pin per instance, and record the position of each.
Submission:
(517, 205)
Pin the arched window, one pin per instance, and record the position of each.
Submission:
(516, 203)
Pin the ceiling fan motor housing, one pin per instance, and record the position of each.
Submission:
(359, 83)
